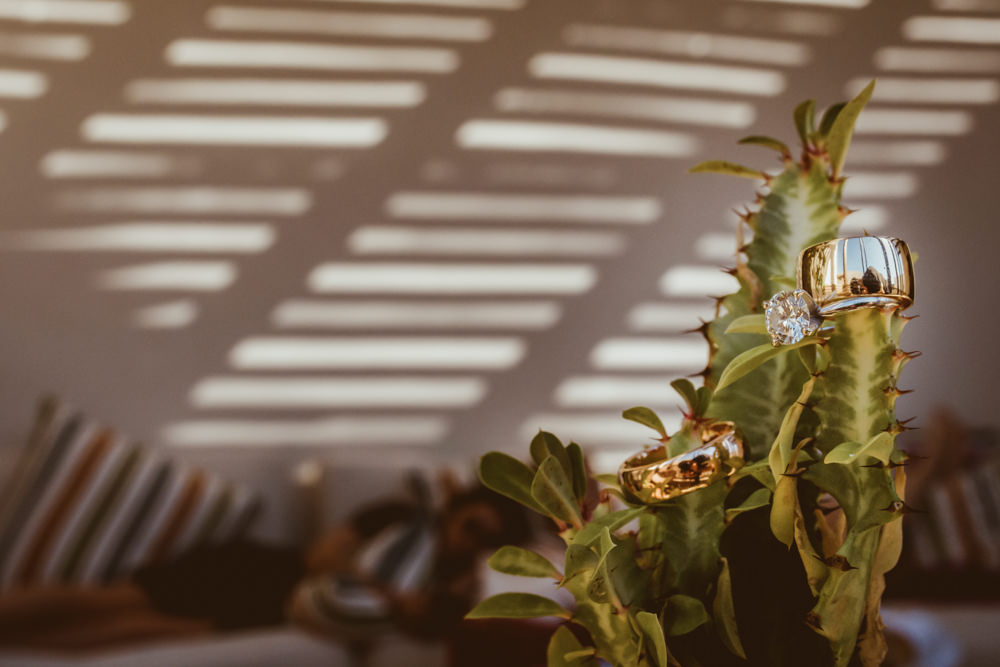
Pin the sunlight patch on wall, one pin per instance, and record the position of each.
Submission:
(457, 278)
(914, 59)
(299, 55)
(697, 281)
(276, 92)
(282, 393)
(74, 163)
(614, 391)
(96, 12)
(716, 246)
(914, 121)
(887, 185)
(464, 241)
(688, 43)
(662, 73)
(719, 113)
(298, 131)
(846, 4)
(966, 5)
(182, 237)
(930, 91)
(302, 314)
(43, 46)
(684, 354)
(554, 208)
(170, 315)
(457, 4)
(377, 352)
(673, 317)
(909, 153)
(870, 218)
(594, 428)
(789, 21)
(322, 22)
(188, 199)
(961, 30)
(177, 275)
(350, 431)
(572, 138)
(22, 84)
(3, 120)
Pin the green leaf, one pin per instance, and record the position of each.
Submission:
(612, 521)
(518, 605)
(683, 614)
(523, 563)
(842, 129)
(553, 491)
(704, 400)
(767, 142)
(755, 356)
(565, 650)
(509, 477)
(617, 578)
(804, 116)
(580, 559)
(788, 282)
(785, 502)
(724, 612)
(781, 449)
(828, 117)
(608, 479)
(879, 447)
(579, 470)
(756, 500)
(686, 389)
(728, 168)
(545, 444)
(649, 624)
(753, 324)
(646, 417)
(808, 357)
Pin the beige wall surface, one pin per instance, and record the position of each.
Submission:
(399, 233)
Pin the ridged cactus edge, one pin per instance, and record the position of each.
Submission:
(783, 563)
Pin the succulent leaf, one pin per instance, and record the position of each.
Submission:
(768, 142)
(842, 128)
(553, 491)
(521, 562)
(509, 477)
(805, 120)
(646, 417)
(729, 169)
(518, 605)
(652, 633)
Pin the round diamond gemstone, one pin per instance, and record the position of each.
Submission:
(790, 317)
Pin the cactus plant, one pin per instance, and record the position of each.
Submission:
(783, 563)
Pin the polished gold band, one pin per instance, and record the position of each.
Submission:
(857, 272)
(649, 477)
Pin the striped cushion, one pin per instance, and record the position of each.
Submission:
(87, 505)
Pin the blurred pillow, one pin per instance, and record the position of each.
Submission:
(86, 504)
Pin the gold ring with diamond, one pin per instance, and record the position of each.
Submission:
(857, 272)
(649, 477)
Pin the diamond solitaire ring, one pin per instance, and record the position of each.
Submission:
(857, 272)
(790, 317)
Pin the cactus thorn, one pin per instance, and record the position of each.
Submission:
(812, 620)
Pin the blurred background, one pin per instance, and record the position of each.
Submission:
(387, 234)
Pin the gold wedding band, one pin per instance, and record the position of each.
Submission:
(649, 477)
(857, 272)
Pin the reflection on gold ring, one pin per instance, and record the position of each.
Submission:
(649, 477)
